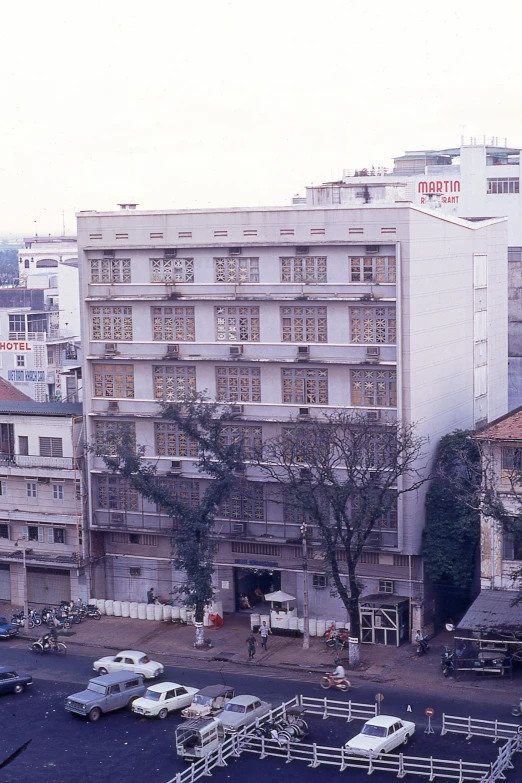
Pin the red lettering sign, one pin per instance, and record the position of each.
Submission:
(15, 346)
(439, 186)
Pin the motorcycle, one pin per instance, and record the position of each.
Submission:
(328, 681)
(44, 645)
(447, 661)
(18, 618)
(516, 709)
(291, 728)
(337, 639)
(422, 647)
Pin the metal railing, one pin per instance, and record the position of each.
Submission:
(504, 759)
(36, 461)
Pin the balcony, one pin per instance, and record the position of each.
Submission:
(36, 461)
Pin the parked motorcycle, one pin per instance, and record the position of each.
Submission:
(422, 646)
(292, 728)
(34, 618)
(328, 681)
(447, 661)
(516, 709)
(337, 639)
(45, 645)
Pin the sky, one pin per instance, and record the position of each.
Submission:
(211, 103)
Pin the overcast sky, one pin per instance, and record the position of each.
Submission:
(213, 103)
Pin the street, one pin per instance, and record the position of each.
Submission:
(121, 747)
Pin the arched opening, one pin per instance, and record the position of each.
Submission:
(46, 263)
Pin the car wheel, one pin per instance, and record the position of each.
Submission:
(102, 670)
(162, 714)
(18, 689)
(94, 714)
(406, 739)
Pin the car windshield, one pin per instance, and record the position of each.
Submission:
(145, 659)
(96, 687)
(152, 695)
(235, 708)
(374, 731)
(199, 699)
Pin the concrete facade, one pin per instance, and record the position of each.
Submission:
(227, 289)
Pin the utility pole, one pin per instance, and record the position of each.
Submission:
(26, 608)
(306, 632)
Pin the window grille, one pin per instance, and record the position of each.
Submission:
(304, 324)
(236, 270)
(172, 270)
(373, 324)
(238, 384)
(368, 269)
(172, 442)
(374, 387)
(305, 269)
(173, 382)
(237, 323)
(110, 270)
(112, 323)
(305, 386)
(51, 447)
(114, 380)
(173, 323)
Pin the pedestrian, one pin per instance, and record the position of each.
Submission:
(150, 596)
(264, 630)
(251, 641)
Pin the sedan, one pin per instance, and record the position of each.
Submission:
(11, 682)
(7, 629)
(243, 711)
(129, 661)
(163, 698)
(380, 735)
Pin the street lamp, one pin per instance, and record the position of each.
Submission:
(26, 608)
(306, 632)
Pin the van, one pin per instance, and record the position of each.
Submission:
(105, 694)
(199, 737)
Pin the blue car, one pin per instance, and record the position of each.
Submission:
(11, 682)
(7, 629)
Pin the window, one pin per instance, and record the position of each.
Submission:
(401, 561)
(32, 533)
(172, 270)
(238, 384)
(135, 571)
(110, 270)
(16, 326)
(31, 489)
(386, 586)
(23, 445)
(51, 447)
(236, 270)
(368, 269)
(119, 538)
(249, 436)
(319, 580)
(172, 382)
(58, 534)
(245, 502)
(305, 386)
(514, 253)
(57, 491)
(112, 323)
(148, 540)
(512, 545)
(248, 548)
(4, 530)
(26, 263)
(108, 434)
(114, 380)
(173, 323)
(50, 355)
(134, 538)
(20, 360)
(184, 490)
(372, 324)
(304, 324)
(237, 323)
(511, 458)
(309, 269)
(503, 185)
(3, 488)
(374, 387)
(115, 492)
(171, 442)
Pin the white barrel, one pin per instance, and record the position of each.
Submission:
(255, 619)
(206, 621)
(312, 627)
(167, 612)
(125, 608)
(301, 624)
(183, 614)
(321, 628)
(175, 612)
(142, 611)
(116, 606)
(100, 603)
(293, 623)
(150, 611)
(264, 618)
(339, 625)
(158, 611)
(109, 608)
(133, 610)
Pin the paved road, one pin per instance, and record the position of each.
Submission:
(121, 748)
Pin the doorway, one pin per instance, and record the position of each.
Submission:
(253, 584)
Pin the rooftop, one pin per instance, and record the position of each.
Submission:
(9, 393)
(507, 427)
(31, 408)
(493, 610)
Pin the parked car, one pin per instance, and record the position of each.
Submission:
(243, 711)
(11, 682)
(199, 737)
(380, 735)
(209, 701)
(129, 661)
(8, 629)
(163, 698)
(106, 693)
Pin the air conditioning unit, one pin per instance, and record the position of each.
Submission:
(234, 251)
(171, 252)
(373, 415)
(235, 350)
(303, 413)
(238, 528)
(236, 410)
(117, 519)
(373, 350)
(302, 250)
(172, 350)
(113, 406)
(108, 253)
(303, 352)
(111, 349)
(176, 465)
(373, 248)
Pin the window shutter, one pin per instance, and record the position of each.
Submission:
(50, 535)
(25, 532)
(41, 534)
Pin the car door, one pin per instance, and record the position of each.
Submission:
(116, 665)
(129, 664)
(4, 683)
(115, 697)
(183, 698)
(169, 700)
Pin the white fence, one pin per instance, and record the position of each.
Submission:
(504, 759)
(473, 727)
(329, 708)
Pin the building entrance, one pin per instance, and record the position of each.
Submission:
(251, 584)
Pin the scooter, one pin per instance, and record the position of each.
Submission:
(516, 709)
(422, 647)
(44, 645)
(447, 661)
(328, 681)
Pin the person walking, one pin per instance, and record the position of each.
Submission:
(150, 596)
(251, 641)
(264, 630)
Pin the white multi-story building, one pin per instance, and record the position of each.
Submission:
(46, 253)
(284, 312)
(42, 501)
(478, 179)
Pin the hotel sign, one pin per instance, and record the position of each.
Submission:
(15, 346)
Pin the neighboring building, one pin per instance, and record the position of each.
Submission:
(46, 253)
(42, 500)
(284, 312)
(478, 179)
(9, 393)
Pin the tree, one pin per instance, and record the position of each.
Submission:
(192, 545)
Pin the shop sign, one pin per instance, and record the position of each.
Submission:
(264, 563)
(15, 346)
(26, 376)
(445, 189)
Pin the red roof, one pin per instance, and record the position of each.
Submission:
(507, 427)
(9, 393)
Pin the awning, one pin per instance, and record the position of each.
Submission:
(279, 597)
(493, 610)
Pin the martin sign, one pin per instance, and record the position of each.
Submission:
(446, 190)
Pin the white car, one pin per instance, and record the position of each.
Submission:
(163, 698)
(243, 711)
(129, 661)
(380, 735)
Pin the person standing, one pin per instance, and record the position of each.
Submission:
(264, 630)
(251, 641)
(150, 596)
